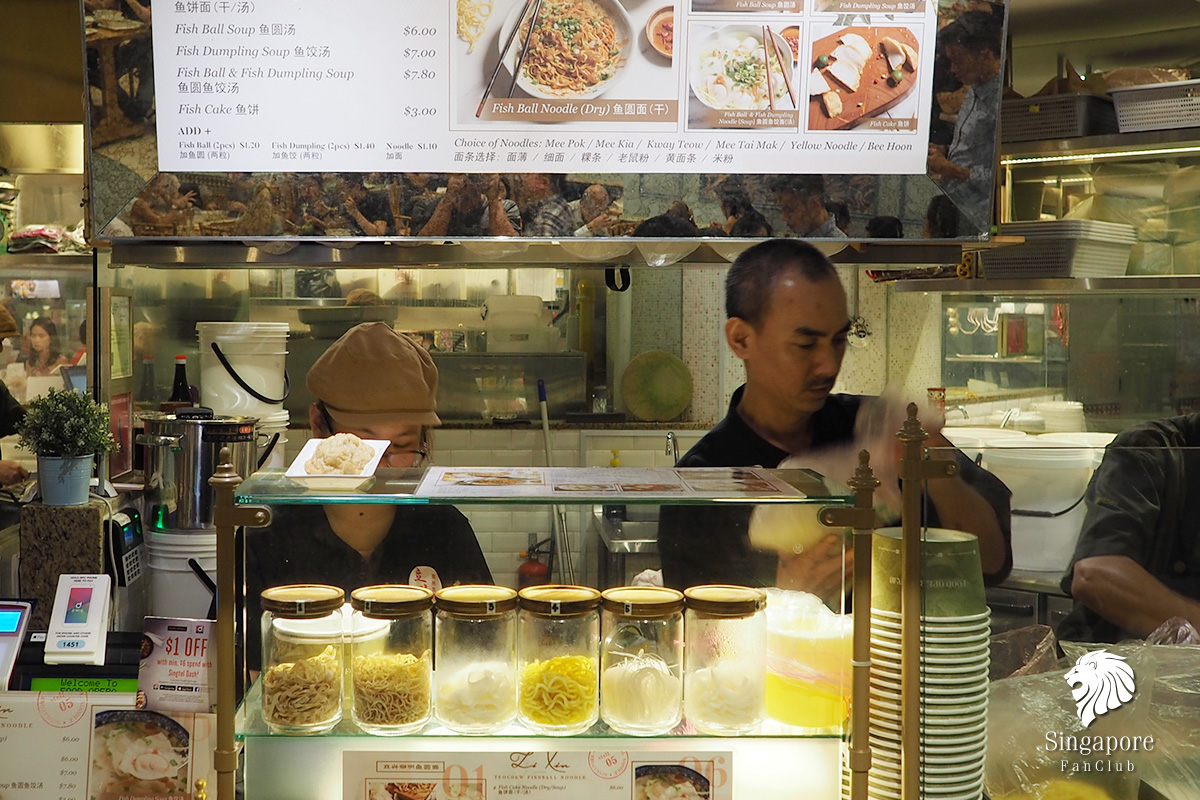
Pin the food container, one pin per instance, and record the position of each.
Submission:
(558, 647)
(391, 684)
(476, 652)
(302, 681)
(724, 686)
(641, 659)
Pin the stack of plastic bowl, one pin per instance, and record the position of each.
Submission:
(1062, 415)
(954, 662)
(972, 440)
(1091, 440)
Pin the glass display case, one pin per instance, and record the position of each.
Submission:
(348, 760)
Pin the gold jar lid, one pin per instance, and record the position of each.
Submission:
(391, 601)
(643, 602)
(303, 600)
(559, 600)
(476, 599)
(723, 600)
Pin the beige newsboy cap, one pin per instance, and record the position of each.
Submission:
(376, 376)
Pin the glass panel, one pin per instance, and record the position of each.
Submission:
(951, 200)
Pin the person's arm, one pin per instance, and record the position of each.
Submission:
(961, 507)
(1124, 593)
(12, 413)
(499, 221)
(940, 165)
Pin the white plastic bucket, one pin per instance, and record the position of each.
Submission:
(1091, 439)
(175, 590)
(268, 427)
(1045, 477)
(256, 353)
(971, 440)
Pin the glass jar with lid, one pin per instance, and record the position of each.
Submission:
(476, 652)
(641, 659)
(391, 686)
(558, 647)
(302, 676)
(724, 688)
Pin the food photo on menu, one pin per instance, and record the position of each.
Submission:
(863, 78)
(741, 75)
(564, 61)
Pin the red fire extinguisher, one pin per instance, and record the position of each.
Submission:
(533, 571)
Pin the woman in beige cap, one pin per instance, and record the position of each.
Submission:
(376, 384)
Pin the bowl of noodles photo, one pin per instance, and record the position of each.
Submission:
(138, 754)
(729, 71)
(669, 782)
(579, 48)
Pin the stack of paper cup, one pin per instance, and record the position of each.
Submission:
(954, 661)
(1062, 415)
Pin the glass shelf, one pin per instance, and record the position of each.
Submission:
(251, 725)
(396, 487)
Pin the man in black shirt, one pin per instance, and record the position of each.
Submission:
(787, 321)
(376, 384)
(1137, 561)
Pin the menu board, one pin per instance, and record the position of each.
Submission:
(533, 774)
(615, 86)
(557, 483)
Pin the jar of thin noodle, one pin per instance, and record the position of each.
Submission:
(641, 659)
(558, 649)
(302, 681)
(391, 686)
(725, 672)
(476, 650)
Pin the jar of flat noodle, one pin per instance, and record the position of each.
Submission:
(558, 649)
(725, 674)
(641, 659)
(302, 680)
(391, 686)
(475, 687)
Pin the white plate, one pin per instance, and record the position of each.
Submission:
(969, 618)
(742, 32)
(624, 32)
(334, 483)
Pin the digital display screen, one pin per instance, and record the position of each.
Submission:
(9, 620)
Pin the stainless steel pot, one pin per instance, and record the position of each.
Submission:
(182, 451)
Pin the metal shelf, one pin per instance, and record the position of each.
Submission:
(1084, 147)
(489, 254)
(995, 359)
(33, 266)
(1057, 287)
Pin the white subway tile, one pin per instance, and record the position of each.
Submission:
(513, 542)
(451, 440)
(489, 520)
(491, 440)
(637, 459)
(531, 519)
(516, 458)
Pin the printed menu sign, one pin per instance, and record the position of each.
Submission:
(534, 774)
(767, 86)
(603, 484)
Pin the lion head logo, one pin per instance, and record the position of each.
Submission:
(1100, 682)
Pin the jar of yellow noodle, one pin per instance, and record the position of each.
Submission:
(391, 686)
(476, 650)
(302, 680)
(641, 659)
(724, 666)
(558, 649)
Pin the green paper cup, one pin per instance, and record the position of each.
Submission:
(951, 573)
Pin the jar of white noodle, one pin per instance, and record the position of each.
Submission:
(476, 652)
(391, 686)
(302, 680)
(558, 649)
(724, 685)
(641, 659)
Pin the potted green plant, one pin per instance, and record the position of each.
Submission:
(66, 430)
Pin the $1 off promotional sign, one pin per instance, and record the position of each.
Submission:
(570, 775)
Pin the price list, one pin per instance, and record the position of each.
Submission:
(379, 85)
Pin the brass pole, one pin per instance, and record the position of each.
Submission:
(861, 518)
(915, 469)
(227, 517)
